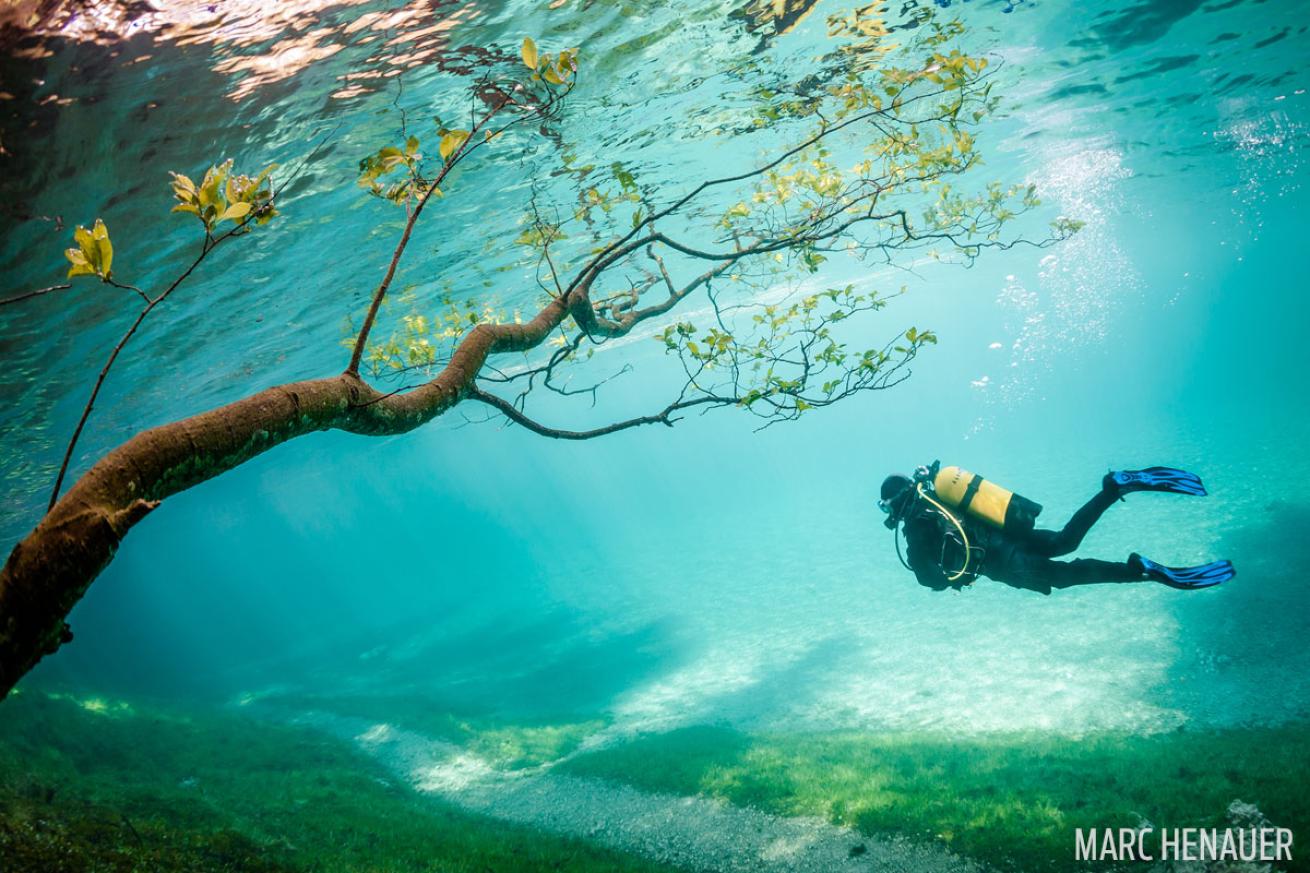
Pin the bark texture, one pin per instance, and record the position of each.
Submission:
(50, 569)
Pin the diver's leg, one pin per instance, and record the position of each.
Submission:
(1089, 571)
(1032, 572)
(1053, 544)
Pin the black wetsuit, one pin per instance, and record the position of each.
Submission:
(1022, 559)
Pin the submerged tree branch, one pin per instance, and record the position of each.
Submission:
(665, 416)
(150, 303)
(467, 146)
(785, 360)
(47, 573)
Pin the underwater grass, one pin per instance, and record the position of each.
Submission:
(87, 783)
(1009, 801)
(508, 744)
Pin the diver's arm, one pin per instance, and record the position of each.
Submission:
(930, 577)
(920, 536)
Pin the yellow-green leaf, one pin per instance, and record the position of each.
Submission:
(205, 193)
(94, 255)
(235, 212)
(79, 265)
(211, 189)
(452, 141)
(84, 241)
(105, 249)
(529, 52)
(552, 77)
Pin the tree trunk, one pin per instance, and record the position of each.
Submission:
(49, 570)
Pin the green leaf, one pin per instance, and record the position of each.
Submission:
(529, 53)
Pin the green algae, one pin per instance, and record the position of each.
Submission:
(510, 744)
(120, 785)
(88, 783)
(1010, 801)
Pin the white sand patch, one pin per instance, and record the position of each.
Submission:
(695, 833)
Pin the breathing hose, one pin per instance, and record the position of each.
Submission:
(968, 551)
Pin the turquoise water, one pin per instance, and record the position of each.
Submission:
(707, 574)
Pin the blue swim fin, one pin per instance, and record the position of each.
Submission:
(1184, 578)
(1166, 479)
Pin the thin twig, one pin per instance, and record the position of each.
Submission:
(664, 416)
(18, 298)
(209, 245)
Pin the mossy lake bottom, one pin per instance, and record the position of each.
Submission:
(90, 783)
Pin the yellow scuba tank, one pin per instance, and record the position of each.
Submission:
(986, 501)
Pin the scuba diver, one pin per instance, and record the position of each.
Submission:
(959, 526)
